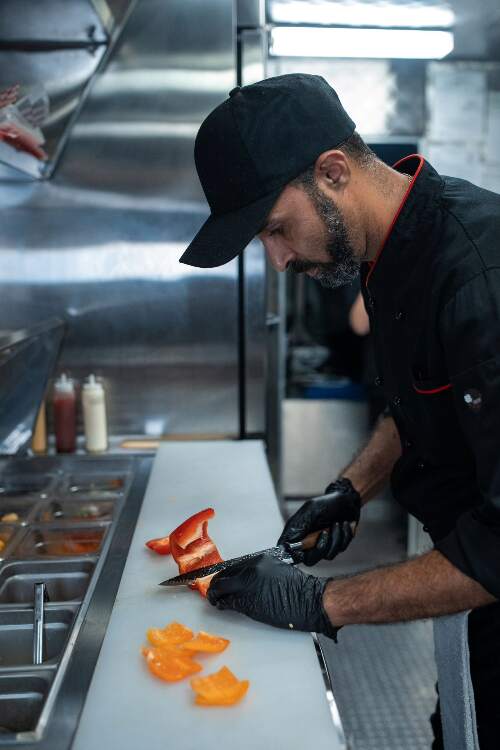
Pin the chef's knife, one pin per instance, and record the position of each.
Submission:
(283, 552)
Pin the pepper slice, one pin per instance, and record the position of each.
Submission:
(192, 547)
(192, 528)
(161, 545)
(203, 584)
(170, 665)
(170, 636)
(205, 642)
(219, 689)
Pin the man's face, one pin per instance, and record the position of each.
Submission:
(307, 232)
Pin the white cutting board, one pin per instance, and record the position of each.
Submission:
(130, 709)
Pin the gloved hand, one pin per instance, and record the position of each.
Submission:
(277, 593)
(334, 511)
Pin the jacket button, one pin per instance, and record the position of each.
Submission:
(408, 443)
(371, 303)
(399, 315)
(426, 528)
(378, 380)
(421, 465)
(396, 401)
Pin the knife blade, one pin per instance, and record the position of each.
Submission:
(283, 552)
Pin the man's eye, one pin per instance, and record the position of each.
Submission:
(275, 230)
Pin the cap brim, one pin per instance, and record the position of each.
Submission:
(222, 238)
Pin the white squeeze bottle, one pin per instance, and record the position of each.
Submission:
(94, 415)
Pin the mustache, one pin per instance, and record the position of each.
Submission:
(301, 266)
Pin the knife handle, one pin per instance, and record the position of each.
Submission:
(310, 540)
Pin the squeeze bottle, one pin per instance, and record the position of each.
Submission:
(94, 415)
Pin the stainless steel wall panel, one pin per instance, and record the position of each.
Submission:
(255, 334)
(99, 243)
(54, 20)
(250, 13)
(384, 97)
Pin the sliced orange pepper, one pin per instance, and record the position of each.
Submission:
(169, 636)
(205, 642)
(219, 689)
(170, 665)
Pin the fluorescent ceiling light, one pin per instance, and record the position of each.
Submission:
(307, 41)
(409, 15)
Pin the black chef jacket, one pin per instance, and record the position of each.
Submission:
(433, 298)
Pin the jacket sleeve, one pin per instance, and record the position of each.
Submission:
(470, 335)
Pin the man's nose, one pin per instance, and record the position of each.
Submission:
(279, 256)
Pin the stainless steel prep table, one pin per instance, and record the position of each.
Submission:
(287, 704)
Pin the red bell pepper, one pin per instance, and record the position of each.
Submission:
(192, 547)
(161, 545)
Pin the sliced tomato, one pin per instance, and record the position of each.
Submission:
(206, 643)
(219, 689)
(161, 545)
(170, 665)
(170, 636)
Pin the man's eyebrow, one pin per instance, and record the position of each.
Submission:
(269, 220)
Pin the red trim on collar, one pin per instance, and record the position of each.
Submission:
(405, 197)
(433, 390)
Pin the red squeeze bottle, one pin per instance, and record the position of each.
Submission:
(65, 414)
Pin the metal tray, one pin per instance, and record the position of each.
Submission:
(45, 540)
(23, 507)
(22, 696)
(40, 705)
(8, 535)
(65, 581)
(21, 485)
(64, 510)
(16, 636)
(97, 485)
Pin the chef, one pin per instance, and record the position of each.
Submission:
(281, 160)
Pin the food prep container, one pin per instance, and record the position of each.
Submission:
(61, 541)
(65, 581)
(16, 635)
(22, 695)
(8, 534)
(15, 509)
(65, 509)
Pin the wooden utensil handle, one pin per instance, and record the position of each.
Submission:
(310, 540)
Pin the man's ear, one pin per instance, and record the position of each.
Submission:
(332, 170)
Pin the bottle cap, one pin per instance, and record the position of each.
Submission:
(64, 384)
(92, 383)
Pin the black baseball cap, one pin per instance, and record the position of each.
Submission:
(250, 147)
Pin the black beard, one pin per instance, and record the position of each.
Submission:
(344, 266)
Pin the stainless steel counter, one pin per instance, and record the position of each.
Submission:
(287, 704)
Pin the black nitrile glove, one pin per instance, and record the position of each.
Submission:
(334, 511)
(277, 593)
